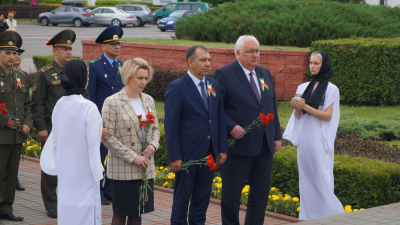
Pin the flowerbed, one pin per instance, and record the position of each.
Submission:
(32, 148)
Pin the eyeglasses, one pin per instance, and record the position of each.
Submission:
(251, 52)
(116, 44)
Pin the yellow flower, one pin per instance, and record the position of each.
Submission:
(347, 207)
(355, 210)
(361, 209)
(219, 185)
(298, 209)
(296, 199)
(246, 194)
(28, 142)
(348, 210)
(166, 169)
(286, 198)
(273, 189)
(275, 198)
(161, 167)
(219, 191)
(171, 177)
(165, 184)
(213, 180)
(269, 196)
(245, 190)
(23, 144)
(219, 179)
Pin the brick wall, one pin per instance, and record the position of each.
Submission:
(289, 67)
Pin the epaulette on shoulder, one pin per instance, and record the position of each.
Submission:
(44, 69)
(95, 60)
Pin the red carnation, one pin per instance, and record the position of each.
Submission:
(143, 123)
(262, 115)
(270, 116)
(2, 105)
(4, 112)
(213, 166)
(140, 116)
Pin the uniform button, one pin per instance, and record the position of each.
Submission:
(209, 121)
(112, 88)
(208, 137)
(129, 129)
(15, 99)
(16, 109)
(133, 144)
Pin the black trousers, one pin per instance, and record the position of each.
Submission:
(9, 163)
(234, 172)
(48, 186)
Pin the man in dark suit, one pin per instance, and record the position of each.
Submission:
(251, 157)
(194, 128)
(105, 80)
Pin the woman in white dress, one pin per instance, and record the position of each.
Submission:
(72, 150)
(312, 128)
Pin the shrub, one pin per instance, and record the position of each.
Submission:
(57, 1)
(26, 10)
(368, 69)
(41, 61)
(359, 182)
(290, 22)
(118, 2)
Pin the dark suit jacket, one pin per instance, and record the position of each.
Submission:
(242, 107)
(189, 127)
(103, 80)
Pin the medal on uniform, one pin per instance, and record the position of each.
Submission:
(19, 82)
(105, 75)
(119, 69)
(1, 83)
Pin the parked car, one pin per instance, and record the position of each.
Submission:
(169, 22)
(142, 13)
(173, 6)
(113, 16)
(71, 13)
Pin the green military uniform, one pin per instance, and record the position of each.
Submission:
(46, 91)
(15, 95)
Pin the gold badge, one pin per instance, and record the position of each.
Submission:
(115, 37)
(56, 82)
(34, 88)
(1, 83)
(69, 42)
(10, 43)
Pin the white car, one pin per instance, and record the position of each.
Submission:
(113, 16)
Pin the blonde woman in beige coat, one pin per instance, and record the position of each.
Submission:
(124, 164)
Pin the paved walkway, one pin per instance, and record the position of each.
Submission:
(29, 204)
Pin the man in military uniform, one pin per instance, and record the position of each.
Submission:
(46, 91)
(14, 97)
(105, 80)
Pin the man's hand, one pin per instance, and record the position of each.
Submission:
(238, 132)
(141, 161)
(104, 133)
(25, 129)
(221, 158)
(277, 145)
(43, 135)
(12, 124)
(149, 151)
(176, 165)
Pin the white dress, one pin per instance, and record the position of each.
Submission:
(72, 153)
(315, 139)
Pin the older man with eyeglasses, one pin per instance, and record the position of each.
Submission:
(105, 80)
(251, 157)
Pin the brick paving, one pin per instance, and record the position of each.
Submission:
(29, 204)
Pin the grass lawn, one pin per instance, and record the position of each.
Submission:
(21, 20)
(205, 44)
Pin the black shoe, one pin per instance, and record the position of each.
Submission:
(104, 201)
(11, 216)
(19, 186)
(52, 213)
(108, 198)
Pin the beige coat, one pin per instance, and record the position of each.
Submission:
(124, 136)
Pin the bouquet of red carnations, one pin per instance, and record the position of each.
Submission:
(262, 119)
(5, 112)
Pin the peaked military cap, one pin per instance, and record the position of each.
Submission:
(21, 50)
(10, 40)
(63, 39)
(112, 34)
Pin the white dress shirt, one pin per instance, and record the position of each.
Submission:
(197, 83)
(247, 72)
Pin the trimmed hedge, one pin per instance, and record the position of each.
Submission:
(26, 10)
(368, 69)
(41, 61)
(118, 2)
(290, 22)
(57, 1)
(359, 182)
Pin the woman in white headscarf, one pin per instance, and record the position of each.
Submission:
(312, 128)
(72, 150)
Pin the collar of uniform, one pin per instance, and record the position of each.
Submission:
(110, 60)
(57, 67)
(4, 72)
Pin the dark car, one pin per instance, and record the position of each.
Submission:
(142, 13)
(169, 22)
(72, 13)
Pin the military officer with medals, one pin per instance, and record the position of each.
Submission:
(105, 80)
(15, 101)
(46, 91)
